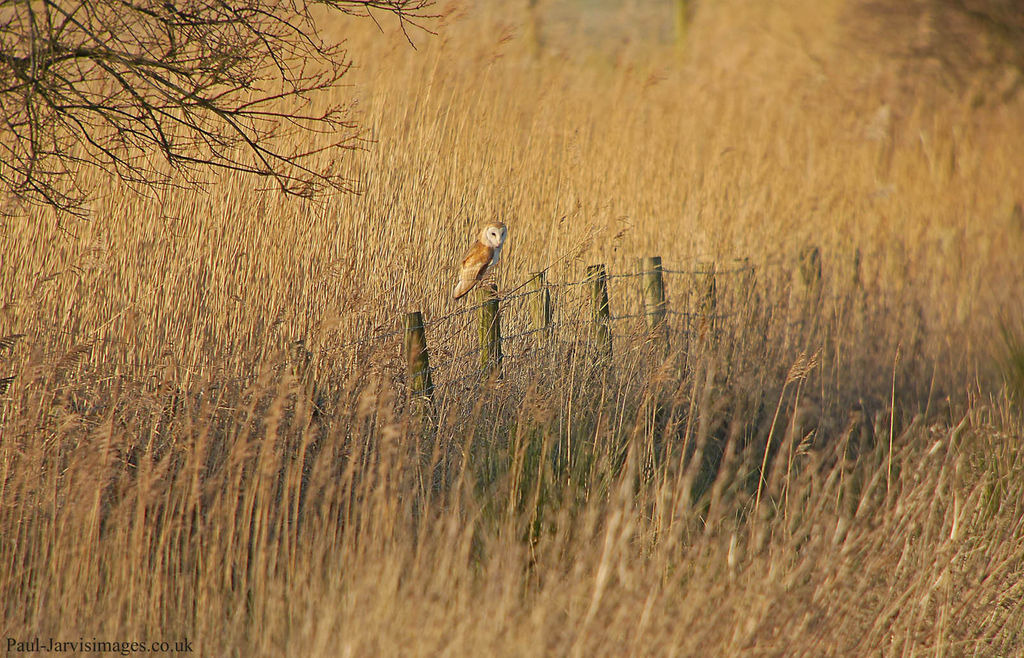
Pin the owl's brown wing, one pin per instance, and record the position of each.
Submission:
(474, 265)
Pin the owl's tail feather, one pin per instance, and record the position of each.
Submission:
(464, 286)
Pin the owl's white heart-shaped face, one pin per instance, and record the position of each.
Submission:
(494, 235)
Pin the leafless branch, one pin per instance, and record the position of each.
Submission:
(206, 84)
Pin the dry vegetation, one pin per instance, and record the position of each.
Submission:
(174, 463)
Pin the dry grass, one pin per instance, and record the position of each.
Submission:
(171, 464)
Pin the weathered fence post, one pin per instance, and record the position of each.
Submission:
(653, 280)
(856, 278)
(683, 19)
(533, 29)
(810, 271)
(745, 301)
(417, 358)
(858, 303)
(597, 276)
(809, 291)
(748, 298)
(541, 308)
(490, 329)
(707, 300)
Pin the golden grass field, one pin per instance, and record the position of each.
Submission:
(174, 464)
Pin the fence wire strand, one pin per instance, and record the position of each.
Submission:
(454, 357)
(517, 293)
(564, 317)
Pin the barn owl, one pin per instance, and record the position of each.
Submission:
(481, 256)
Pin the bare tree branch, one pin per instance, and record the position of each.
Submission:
(206, 84)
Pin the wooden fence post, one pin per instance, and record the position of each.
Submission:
(653, 278)
(810, 271)
(490, 328)
(417, 358)
(707, 300)
(597, 276)
(541, 307)
(683, 19)
(747, 300)
(533, 37)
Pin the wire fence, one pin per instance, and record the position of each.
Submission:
(516, 293)
(694, 298)
(702, 299)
